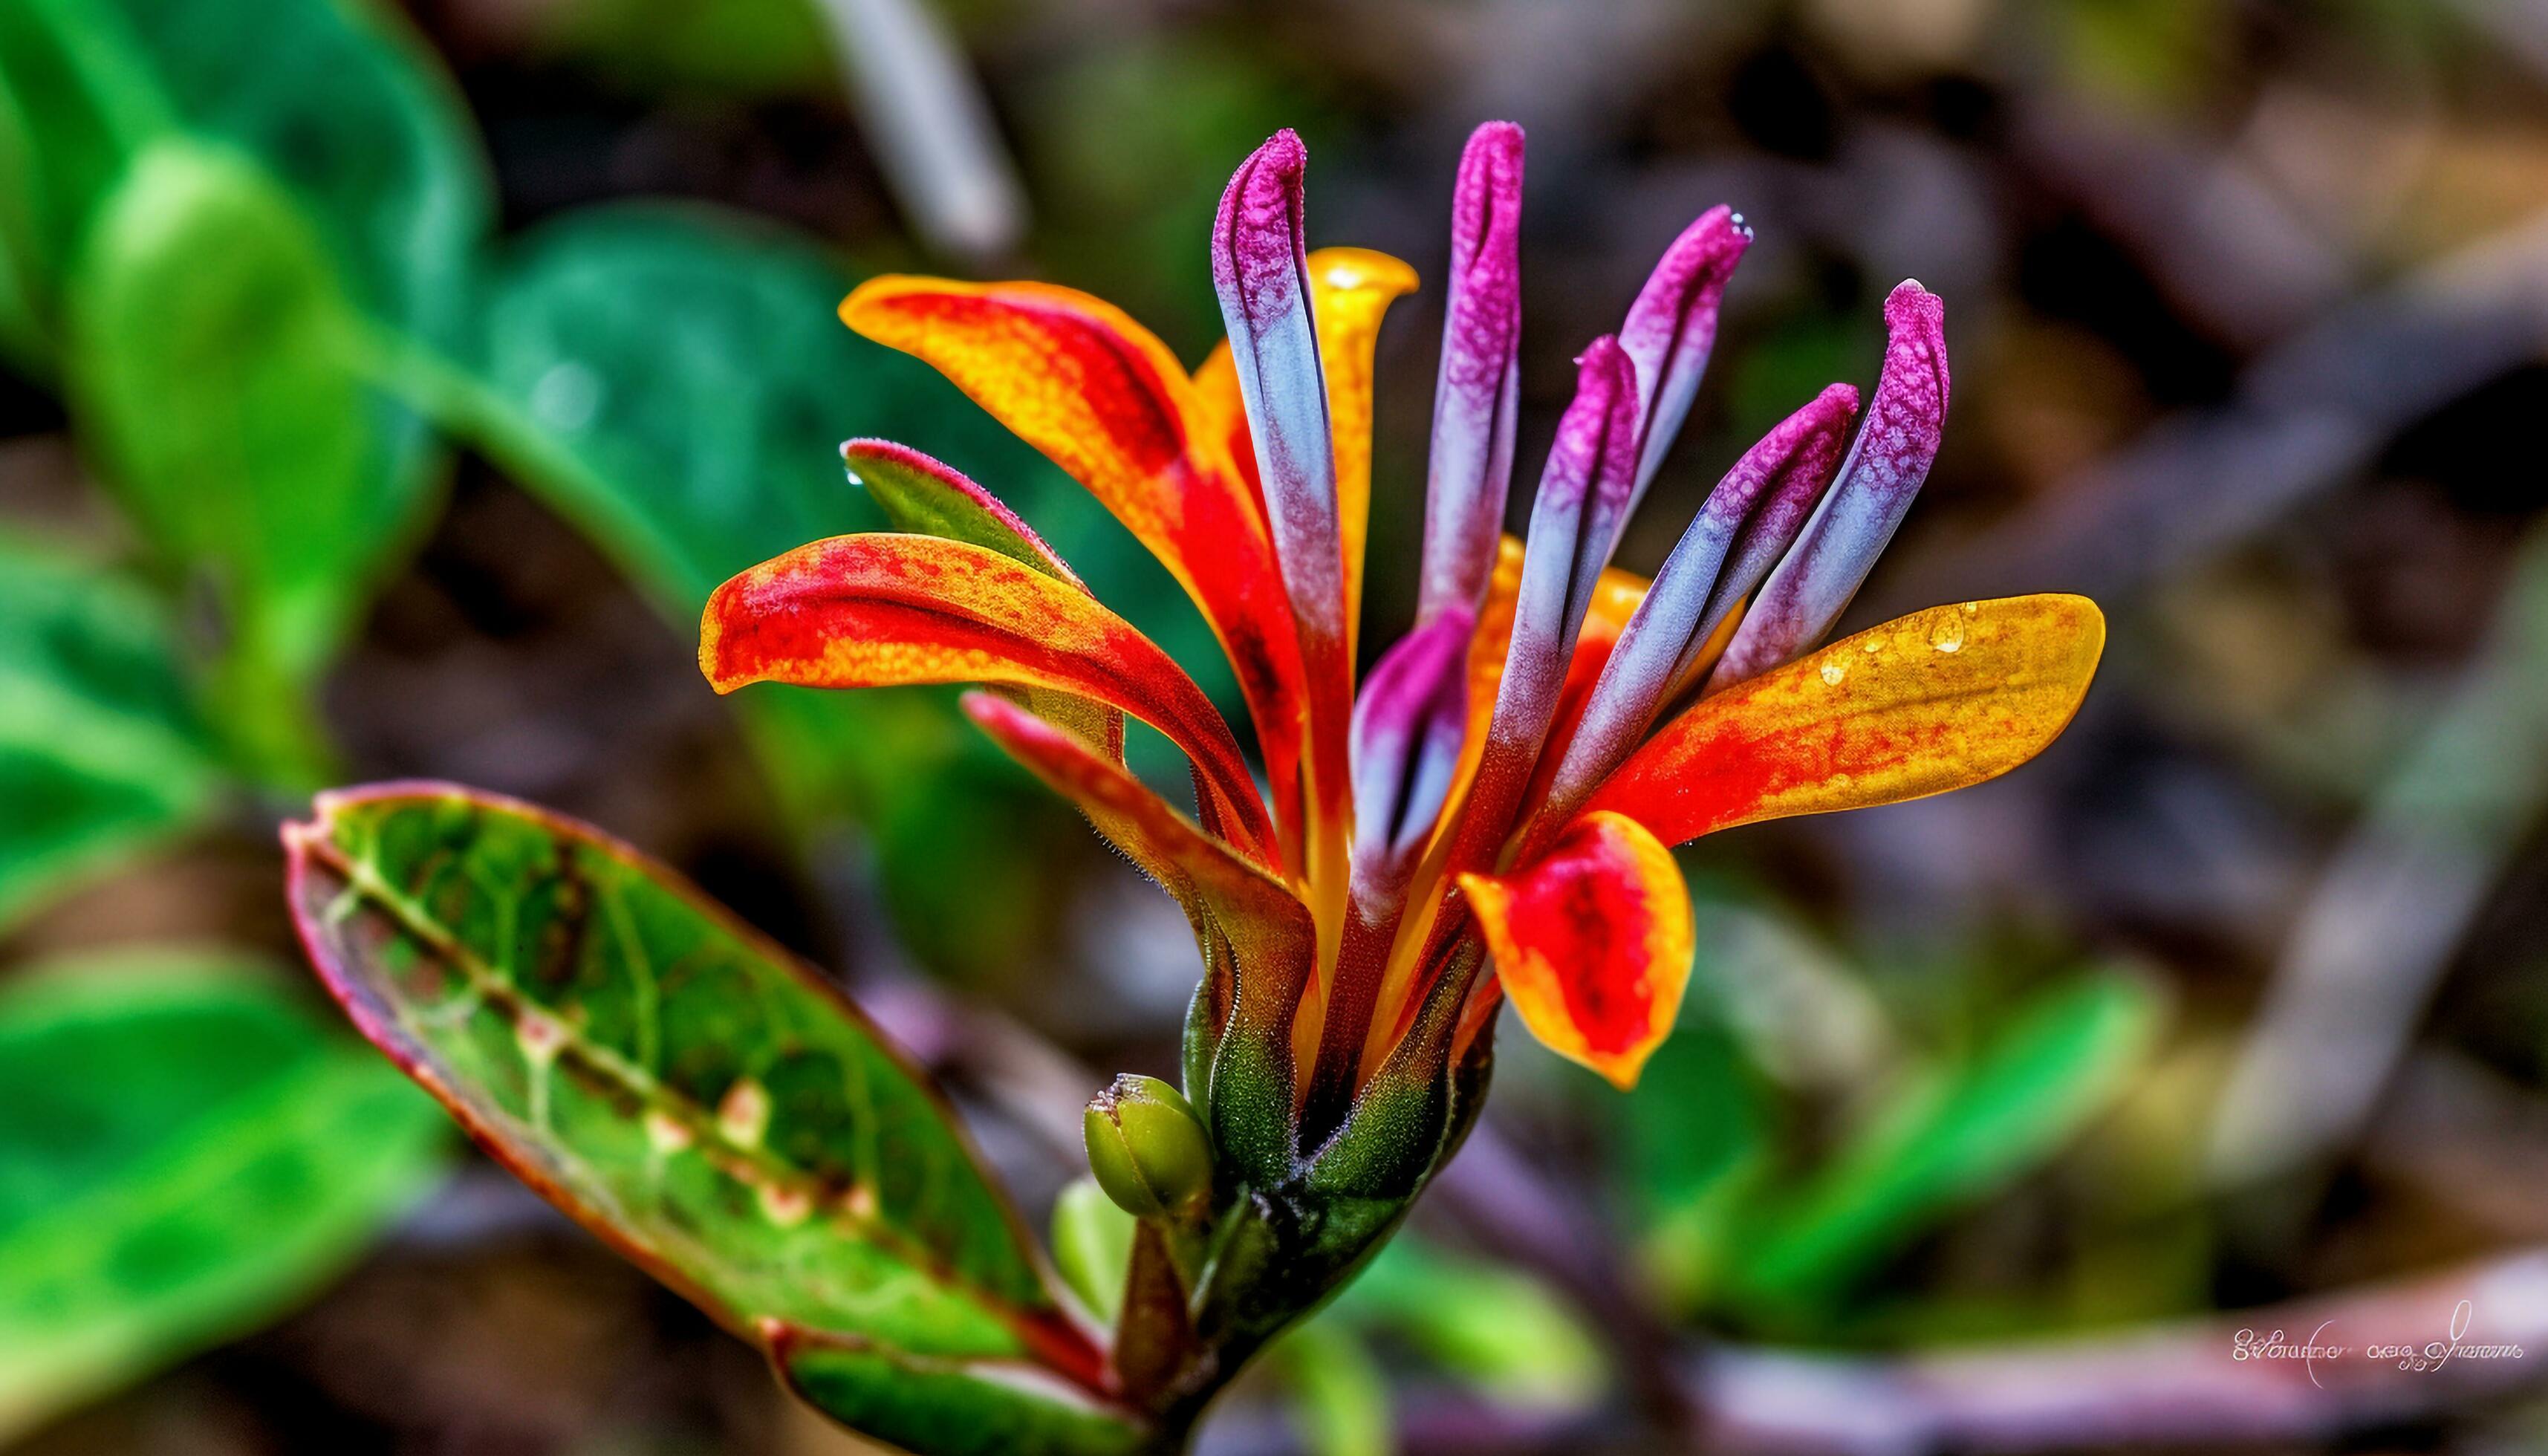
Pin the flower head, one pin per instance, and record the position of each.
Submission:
(1490, 814)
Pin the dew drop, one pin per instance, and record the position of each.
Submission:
(1973, 608)
(1948, 635)
(1834, 669)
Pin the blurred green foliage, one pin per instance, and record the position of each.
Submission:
(750, 47)
(210, 352)
(1742, 1222)
(252, 246)
(101, 750)
(187, 1152)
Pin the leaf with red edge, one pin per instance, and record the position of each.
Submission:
(1593, 941)
(1925, 704)
(884, 611)
(695, 1097)
(1078, 379)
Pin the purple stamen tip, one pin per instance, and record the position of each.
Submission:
(1595, 443)
(1915, 345)
(1486, 202)
(1671, 328)
(1690, 275)
(1258, 248)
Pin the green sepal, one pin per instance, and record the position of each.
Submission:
(1251, 1114)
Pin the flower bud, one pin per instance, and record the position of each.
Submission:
(1146, 1147)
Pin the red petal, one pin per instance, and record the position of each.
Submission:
(928, 498)
(879, 610)
(1593, 941)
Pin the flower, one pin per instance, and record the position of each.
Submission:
(1491, 816)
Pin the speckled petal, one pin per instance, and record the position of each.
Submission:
(1593, 941)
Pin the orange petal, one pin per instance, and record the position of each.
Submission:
(1593, 941)
(879, 610)
(1923, 705)
(1076, 378)
(1259, 914)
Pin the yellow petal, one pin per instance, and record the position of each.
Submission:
(1350, 288)
(1926, 703)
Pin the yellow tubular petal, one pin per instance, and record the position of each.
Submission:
(1220, 412)
(1350, 288)
(1593, 941)
(1923, 705)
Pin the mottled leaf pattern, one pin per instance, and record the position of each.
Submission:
(692, 1095)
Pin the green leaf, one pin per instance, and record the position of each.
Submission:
(1697, 1146)
(100, 752)
(186, 1154)
(330, 95)
(25, 333)
(1956, 1137)
(211, 369)
(348, 110)
(697, 1098)
(72, 73)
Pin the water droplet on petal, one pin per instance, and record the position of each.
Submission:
(1948, 635)
(1834, 669)
(1973, 608)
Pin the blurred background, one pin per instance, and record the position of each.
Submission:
(383, 389)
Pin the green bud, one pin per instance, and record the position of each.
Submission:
(1147, 1147)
